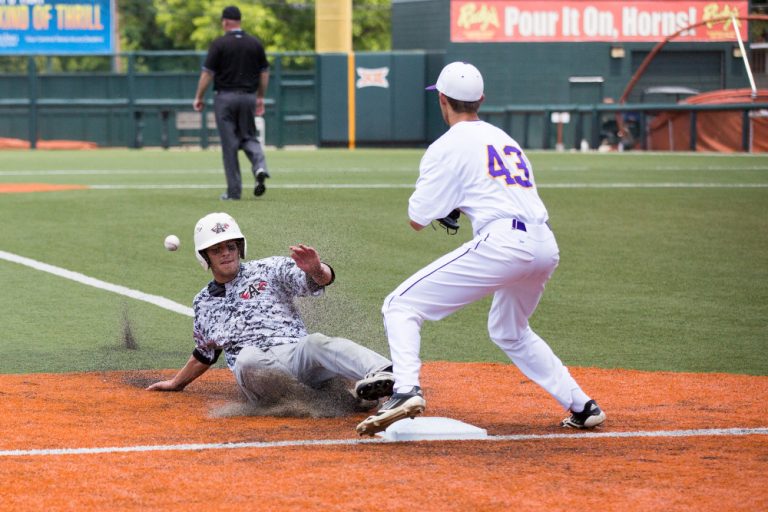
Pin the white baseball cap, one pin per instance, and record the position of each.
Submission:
(461, 81)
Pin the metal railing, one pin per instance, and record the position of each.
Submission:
(506, 115)
(137, 106)
(295, 74)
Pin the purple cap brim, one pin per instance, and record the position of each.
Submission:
(431, 88)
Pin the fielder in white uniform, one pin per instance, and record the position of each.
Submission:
(248, 312)
(478, 169)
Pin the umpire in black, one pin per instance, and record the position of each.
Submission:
(237, 65)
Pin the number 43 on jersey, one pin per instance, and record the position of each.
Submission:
(511, 166)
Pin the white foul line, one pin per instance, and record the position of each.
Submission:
(97, 283)
(347, 442)
(362, 186)
(284, 186)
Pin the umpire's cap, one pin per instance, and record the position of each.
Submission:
(230, 13)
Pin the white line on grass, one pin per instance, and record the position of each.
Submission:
(160, 172)
(655, 185)
(107, 172)
(286, 186)
(410, 186)
(346, 442)
(666, 154)
(97, 283)
(655, 168)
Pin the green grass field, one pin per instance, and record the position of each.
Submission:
(664, 257)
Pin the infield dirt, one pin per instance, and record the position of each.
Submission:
(655, 472)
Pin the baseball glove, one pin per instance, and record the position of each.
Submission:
(451, 222)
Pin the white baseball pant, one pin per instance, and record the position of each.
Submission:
(514, 266)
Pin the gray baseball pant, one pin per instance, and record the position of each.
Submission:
(315, 359)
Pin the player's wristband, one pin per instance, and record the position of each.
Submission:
(206, 360)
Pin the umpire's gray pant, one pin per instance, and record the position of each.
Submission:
(237, 130)
(313, 360)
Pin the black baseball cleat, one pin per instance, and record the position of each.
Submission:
(590, 417)
(261, 175)
(398, 407)
(375, 385)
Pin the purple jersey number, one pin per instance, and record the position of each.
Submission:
(497, 166)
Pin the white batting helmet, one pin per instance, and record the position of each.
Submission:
(215, 228)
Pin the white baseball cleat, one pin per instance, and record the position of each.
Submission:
(398, 407)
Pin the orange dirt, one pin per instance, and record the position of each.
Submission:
(91, 410)
(17, 188)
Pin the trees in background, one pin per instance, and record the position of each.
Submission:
(164, 25)
(283, 25)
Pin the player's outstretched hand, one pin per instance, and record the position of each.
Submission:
(163, 385)
(306, 258)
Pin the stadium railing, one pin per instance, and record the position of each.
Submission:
(518, 120)
(132, 89)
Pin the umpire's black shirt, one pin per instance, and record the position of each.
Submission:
(236, 60)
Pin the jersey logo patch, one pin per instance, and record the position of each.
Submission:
(254, 289)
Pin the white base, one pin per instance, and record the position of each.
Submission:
(432, 428)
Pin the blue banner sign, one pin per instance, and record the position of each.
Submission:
(56, 26)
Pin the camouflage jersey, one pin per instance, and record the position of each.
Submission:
(256, 308)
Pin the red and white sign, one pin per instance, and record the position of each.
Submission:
(505, 21)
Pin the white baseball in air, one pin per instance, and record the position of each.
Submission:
(172, 242)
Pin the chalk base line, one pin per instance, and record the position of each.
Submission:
(736, 431)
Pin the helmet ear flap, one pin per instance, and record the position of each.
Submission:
(204, 255)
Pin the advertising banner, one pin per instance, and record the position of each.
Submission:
(56, 26)
(505, 21)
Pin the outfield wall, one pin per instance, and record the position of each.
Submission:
(362, 99)
(313, 99)
(146, 101)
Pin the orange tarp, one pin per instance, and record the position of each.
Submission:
(8, 143)
(716, 130)
(20, 188)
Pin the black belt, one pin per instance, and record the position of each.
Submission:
(237, 91)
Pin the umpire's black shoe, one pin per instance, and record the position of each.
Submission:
(398, 407)
(226, 197)
(261, 175)
(590, 417)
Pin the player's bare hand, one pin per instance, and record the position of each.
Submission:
(164, 385)
(306, 258)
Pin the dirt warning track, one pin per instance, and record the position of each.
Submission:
(658, 450)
